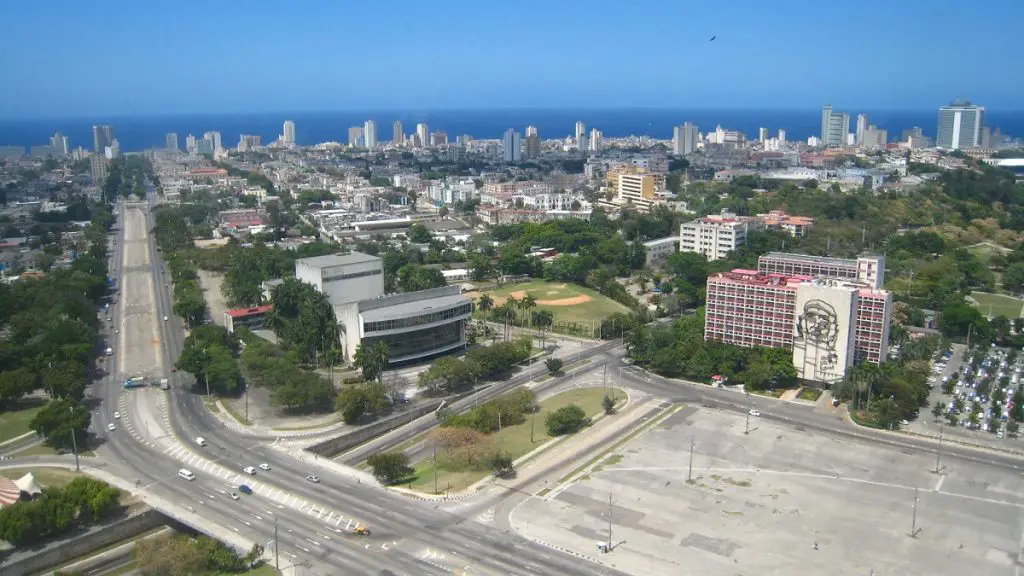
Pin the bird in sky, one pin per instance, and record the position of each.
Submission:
(713, 38)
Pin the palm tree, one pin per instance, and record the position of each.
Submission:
(898, 334)
(543, 319)
(509, 308)
(484, 303)
(528, 303)
(372, 360)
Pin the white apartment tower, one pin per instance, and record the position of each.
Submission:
(762, 135)
(581, 131)
(288, 133)
(423, 131)
(684, 139)
(961, 125)
(172, 141)
(834, 127)
(512, 146)
(596, 138)
(397, 133)
(370, 134)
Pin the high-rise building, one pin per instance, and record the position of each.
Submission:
(370, 134)
(98, 168)
(960, 126)
(439, 138)
(288, 133)
(214, 137)
(596, 140)
(762, 135)
(531, 131)
(869, 270)
(60, 144)
(190, 144)
(581, 130)
(355, 136)
(511, 146)
(862, 126)
(397, 134)
(102, 136)
(684, 139)
(423, 131)
(172, 141)
(834, 127)
(532, 144)
(782, 137)
(247, 142)
(113, 150)
(828, 323)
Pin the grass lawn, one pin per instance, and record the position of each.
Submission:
(811, 394)
(555, 297)
(44, 450)
(998, 304)
(14, 423)
(46, 477)
(514, 440)
(264, 570)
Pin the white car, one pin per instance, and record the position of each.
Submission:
(111, 427)
(313, 478)
(165, 318)
(234, 496)
(754, 412)
(201, 441)
(265, 467)
(249, 470)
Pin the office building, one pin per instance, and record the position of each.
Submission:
(288, 133)
(762, 135)
(658, 251)
(581, 131)
(61, 144)
(715, 236)
(171, 141)
(397, 134)
(205, 146)
(960, 126)
(638, 190)
(596, 140)
(868, 270)
(414, 325)
(873, 137)
(438, 138)
(684, 139)
(531, 131)
(214, 137)
(355, 136)
(423, 131)
(834, 127)
(511, 145)
(44, 151)
(828, 324)
(370, 134)
(862, 127)
(102, 136)
(532, 145)
(781, 137)
(190, 144)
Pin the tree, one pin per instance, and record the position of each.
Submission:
(554, 365)
(372, 360)
(608, 404)
(484, 303)
(501, 465)
(937, 410)
(59, 419)
(352, 402)
(1012, 427)
(566, 420)
(390, 467)
(419, 234)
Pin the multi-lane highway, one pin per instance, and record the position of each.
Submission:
(156, 434)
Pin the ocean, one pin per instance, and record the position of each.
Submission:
(142, 132)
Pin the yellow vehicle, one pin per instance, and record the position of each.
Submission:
(361, 531)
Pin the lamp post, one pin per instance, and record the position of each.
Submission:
(74, 441)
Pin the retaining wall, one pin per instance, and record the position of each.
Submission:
(339, 444)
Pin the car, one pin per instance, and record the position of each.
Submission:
(244, 489)
(754, 412)
(249, 470)
(904, 423)
(201, 441)
(235, 496)
(117, 415)
(165, 318)
(111, 427)
(313, 478)
(264, 466)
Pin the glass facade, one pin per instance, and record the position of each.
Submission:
(430, 318)
(420, 342)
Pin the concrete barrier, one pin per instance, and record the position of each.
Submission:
(60, 551)
(339, 444)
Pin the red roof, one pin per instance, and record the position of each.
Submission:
(243, 312)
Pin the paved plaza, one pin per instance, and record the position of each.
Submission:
(780, 501)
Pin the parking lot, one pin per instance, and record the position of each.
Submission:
(781, 501)
(975, 391)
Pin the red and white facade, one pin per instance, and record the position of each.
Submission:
(828, 323)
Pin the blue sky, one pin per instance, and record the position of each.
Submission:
(119, 57)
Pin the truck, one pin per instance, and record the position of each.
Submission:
(165, 384)
(134, 382)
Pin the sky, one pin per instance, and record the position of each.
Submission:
(64, 58)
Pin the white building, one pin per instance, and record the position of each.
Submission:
(288, 134)
(343, 278)
(960, 126)
(370, 134)
(512, 146)
(715, 236)
(423, 132)
(660, 249)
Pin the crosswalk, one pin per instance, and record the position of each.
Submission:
(126, 421)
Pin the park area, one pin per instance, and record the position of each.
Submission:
(457, 472)
(576, 310)
(998, 305)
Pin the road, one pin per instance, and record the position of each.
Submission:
(409, 536)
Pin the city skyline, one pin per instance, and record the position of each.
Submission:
(312, 74)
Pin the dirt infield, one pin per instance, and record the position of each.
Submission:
(520, 294)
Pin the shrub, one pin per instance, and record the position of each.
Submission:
(566, 420)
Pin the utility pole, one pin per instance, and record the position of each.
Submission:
(74, 441)
(533, 418)
(747, 430)
(689, 471)
(913, 525)
(247, 402)
(434, 454)
(604, 377)
(938, 453)
(610, 546)
(277, 548)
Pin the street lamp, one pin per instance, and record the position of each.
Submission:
(74, 441)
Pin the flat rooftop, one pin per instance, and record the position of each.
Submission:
(808, 258)
(406, 309)
(337, 260)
